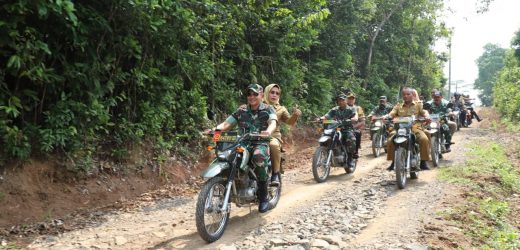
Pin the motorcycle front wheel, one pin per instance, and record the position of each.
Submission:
(320, 166)
(211, 221)
(377, 143)
(401, 155)
(435, 150)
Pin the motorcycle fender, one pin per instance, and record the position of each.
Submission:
(432, 131)
(214, 169)
(400, 140)
(375, 129)
(324, 139)
(245, 160)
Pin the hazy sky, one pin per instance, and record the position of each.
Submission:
(472, 31)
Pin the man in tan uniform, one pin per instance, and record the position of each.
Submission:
(272, 97)
(408, 108)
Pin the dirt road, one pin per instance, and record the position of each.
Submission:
(364, 210)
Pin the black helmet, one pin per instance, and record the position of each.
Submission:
(456, 94)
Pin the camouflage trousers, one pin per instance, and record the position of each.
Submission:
(261, 161)
(348, 139)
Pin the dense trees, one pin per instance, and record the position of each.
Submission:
(489, 64)
(506, 90)
(89, 79)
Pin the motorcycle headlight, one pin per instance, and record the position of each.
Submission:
(225, 155)
(401, 131)
(378, 124)
(328, 131)
(434, 125)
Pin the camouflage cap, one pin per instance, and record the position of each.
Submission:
(351, 94)
(255, 88)
(437, 93)
(342, 96)
(382, 98)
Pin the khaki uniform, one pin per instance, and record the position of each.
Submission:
(276, 142)
(402, 110)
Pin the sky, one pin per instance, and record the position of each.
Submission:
(472, 31)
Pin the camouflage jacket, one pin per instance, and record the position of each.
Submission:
(442, 108)
(337, 113)
(379, 111)
(251, 121)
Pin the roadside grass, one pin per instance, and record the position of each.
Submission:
(511, 125)
(489, 180)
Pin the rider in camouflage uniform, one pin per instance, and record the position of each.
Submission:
(255, 117)
(343, 112)
(382, 109)
(439, 105)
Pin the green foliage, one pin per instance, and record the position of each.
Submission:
(489, 64)
(507, 91)
(92, 79)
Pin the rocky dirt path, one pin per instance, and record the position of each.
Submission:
(360, 211)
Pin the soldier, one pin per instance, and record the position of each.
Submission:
(408, 108)
(272, 97)
(258, 117)
(343, 112)
(438, 105)
(382, 109)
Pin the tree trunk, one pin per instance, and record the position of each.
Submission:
(373, 40)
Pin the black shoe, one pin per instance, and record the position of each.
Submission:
(263, 204)
(391, 167)
(479, 119)
(424, 165)
(350, 163)
(448, 149)
(275, 179)
(355, 155)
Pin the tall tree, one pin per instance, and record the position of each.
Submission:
(489, 64)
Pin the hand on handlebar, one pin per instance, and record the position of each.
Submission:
(208, 131)
(265, 134)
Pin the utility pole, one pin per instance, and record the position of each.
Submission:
(449, 69)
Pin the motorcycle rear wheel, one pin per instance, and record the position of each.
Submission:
(400, 160)
(274, 194)
(210, 220)
(320, 170)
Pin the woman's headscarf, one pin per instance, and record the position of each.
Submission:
(266, 94)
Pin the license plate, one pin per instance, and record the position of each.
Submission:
(219, 136)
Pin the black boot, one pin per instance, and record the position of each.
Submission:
(391, 167)
(447, 146)
(350, 161)
(424, 165)
(263, 204)
(275, 179)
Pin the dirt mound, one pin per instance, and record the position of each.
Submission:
(36, 197)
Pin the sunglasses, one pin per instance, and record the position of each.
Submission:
(252, 94)
(274, 92)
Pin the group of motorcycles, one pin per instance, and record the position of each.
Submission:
(231, 176)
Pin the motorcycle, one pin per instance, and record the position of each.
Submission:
(468, 119)
(379, 129)
(438, 142)
(406, 160)
(231, 178)
(331, 152)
